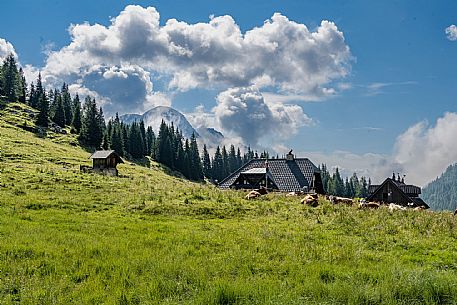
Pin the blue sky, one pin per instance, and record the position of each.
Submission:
(399, 84)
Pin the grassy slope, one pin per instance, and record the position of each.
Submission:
(147, 237)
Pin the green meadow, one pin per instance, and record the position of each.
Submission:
(151, 237)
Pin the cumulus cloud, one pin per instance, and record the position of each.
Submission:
(83, 92)
(155, 99)
(422, 153)
(280, 54)
(243, 112)
(426, 150)
(451, 32)
(6, 48)
(201, 118)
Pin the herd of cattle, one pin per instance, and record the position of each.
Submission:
(313, 200)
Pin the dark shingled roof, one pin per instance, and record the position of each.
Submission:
(289, 176)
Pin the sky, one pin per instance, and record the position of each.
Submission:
(368, 86)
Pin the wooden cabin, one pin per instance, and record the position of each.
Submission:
(396, 191)
(289, 174)
(106, 161)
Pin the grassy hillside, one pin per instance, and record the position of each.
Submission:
(147, 237)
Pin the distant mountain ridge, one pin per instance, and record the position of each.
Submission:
(441, 193)
(154, 117)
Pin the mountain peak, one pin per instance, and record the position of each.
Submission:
(154, 117)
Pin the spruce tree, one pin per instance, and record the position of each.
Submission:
(180, 161)
(91, 124)
(106, 143)
(67, 103)
(117, 143)
(239, 160)
(59, 115)
(163, 153)
(225, 163)
(339, 184)
(101, 125)
(39, 89)
(52, 98)
(23, 87)
(136, 141)
(187, 160)
(76, 118)
(143, 138)
(206, 163)
(11, 79)
(232, 160)
(43, 108)
(150, 141)
(218, 165)
(195, 161)
(32, 101)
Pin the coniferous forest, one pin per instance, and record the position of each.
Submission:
(135, 141)
(441, 193)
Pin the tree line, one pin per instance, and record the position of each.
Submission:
(136, 141)
(351, 187)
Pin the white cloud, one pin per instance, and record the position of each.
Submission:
(281, 55)
(83, 92)
(422, 153)
(114, 72)
(243, 112)
(451, 32)
(200, 118)
(6, 48)
(30, 73)
(272, 97)
(378, 87)
(155, 99)
(425, 151)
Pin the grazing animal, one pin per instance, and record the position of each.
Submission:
(311, 200)
(455, 212)
(262, 190)
(370, 205)
(340, 200)
(253, 195)
(396, 207)
(420, 208)
(294, 194)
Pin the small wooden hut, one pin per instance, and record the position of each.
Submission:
(106, 161)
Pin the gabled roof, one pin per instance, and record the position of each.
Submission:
(289, 176)
(104, 154)
(401, 188)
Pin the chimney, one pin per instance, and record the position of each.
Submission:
(290, 156)
(393, 176)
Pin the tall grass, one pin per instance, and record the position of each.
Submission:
(146, 238)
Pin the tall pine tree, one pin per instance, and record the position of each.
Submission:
(206, 163)
(76, 115)
(59, 114)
